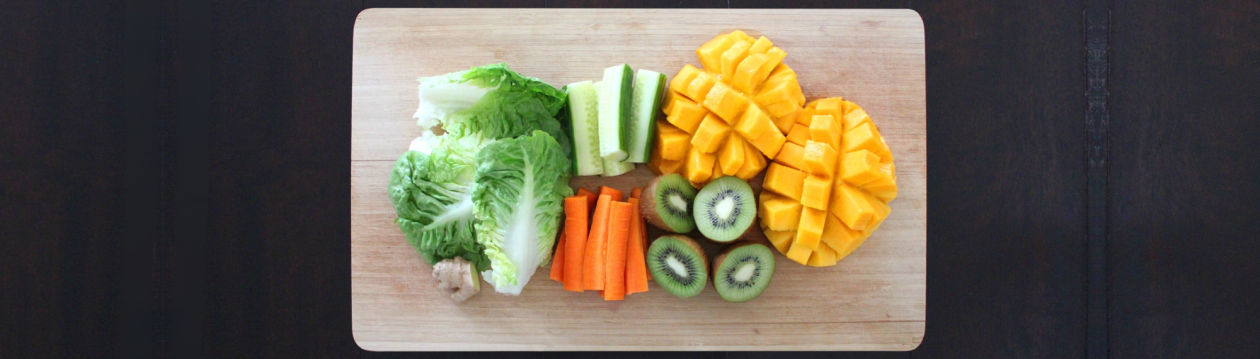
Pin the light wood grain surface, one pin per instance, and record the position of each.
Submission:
(872, 300)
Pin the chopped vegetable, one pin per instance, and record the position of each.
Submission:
(591, 197)
(618, 235)
(520, 186)
(576, 219)
(457, 275)
(584, 127)
(557, 259)
(636, 260)
(635, 192)
(432, 190)
(611, 192)
(593, 264)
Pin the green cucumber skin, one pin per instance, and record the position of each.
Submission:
(642, 134)
(584, 124)
(614, 126)
(612, 168)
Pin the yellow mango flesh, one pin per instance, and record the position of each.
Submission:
(791, 155)
(683, 78)
(884, 187)
(710, 53)
(809, 233)
(687, 115)
(863, 137)
(823, 257)
(798, 254)
(837, 236)
(731, 156)
(798, 135)
(784, 120)
(761, 45)
(823, 128)
(699, 166)
(851, 205)
(860, 167)
(820, 159)
(700, 87)
(673, 142)
(855, 118)
(733, 56)
(782, 240)
(779, 213)
(816, 192)
(711, 134)
(753, 162)
(784, 180)
(725, 102)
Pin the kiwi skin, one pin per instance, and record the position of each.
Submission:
(704, 257)
(647, 206)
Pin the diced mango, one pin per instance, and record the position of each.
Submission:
(717, 170)
(806, 116)
(761, 45)
(884, 187)
(798, 254)
(754, 162)
(733, 56)
(670, 167)
(851, 205)
(774, 57)
(810, 230)
(686, 115)
(725, 102)
(754, 122)
(785, 122)
(884, 153)
(672, 141)
(699, 166)
(830, 106)
(863, 137)
(782, 240)
(837, 236)
(751, 73)
(816, 192)
(855, 118)
(792, 155)
(842, 254)
(860, 167)
(823, 257)
(740, 35)
(779, 213)
(699, 88)
(770, 142)
(667, 104)
(785, 181)
(711, 134)
(820, 158)
(799, 134)
(710, 53)
(823, 128)
(772, 93)
(683, 79)
(731, 156)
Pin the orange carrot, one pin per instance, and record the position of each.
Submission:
(557, 259)
(636, 260)
(612, 192)
(618, 236)
(593, 266)
(591, 197)
(644, 244)
(575, 220)
(636, 192)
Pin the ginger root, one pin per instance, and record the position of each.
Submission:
(457, 274)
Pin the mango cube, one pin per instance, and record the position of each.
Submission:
(806, 117)
(686, 115)
(779, 213)
(667, 104)
(816, 192)
(860, 167)
(672, 141)
(820, 158)
(823, 128)
(785, 181)
(725, 102)
(761, 45)
(799, 134)
(798, 254)
(700, 86)
(884, 187)
(786, 121)
(683, 79)
(851, 205)
(710, 53)
(837, 236)
(830, 107)
(863, 137)
(782, 240)
(753, 123)
(731, 156)
(792, 155)
(733, 56)
(699, 166)
(711, 134)
(823, 257)
(809, 233)
(856, 117)
(754, 162)
(775, 93)
(770, 142)
(751, 72)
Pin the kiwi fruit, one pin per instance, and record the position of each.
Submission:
(725, 209)
(742, 271)
(666, 203)
(678, 264)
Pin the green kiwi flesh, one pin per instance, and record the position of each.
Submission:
(666, 203)
(742, 271)
(678, 265)
(725, 209)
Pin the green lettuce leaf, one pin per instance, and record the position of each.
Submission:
(518, 199)
(431, 190)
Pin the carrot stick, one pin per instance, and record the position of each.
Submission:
(636, 261)
(612, 192)
(557, 260)
(643, 243)
(575, 221)
(591, 197)
(636, 192)
(618, 235)
(593, 266)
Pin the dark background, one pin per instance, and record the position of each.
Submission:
(174, 177)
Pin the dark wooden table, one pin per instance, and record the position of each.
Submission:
(174, 177)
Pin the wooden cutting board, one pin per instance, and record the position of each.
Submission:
(872, 300)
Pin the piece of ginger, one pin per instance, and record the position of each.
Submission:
(457, 274)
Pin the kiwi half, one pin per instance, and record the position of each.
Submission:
(725, 209)
(742, 271)
(666, 203)
(678, 265)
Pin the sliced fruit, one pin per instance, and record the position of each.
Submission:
(761, 45)
(860, 167)
(678, 265)
(855, 117)
(672, 141)
(779, 213)
(732, 57)
(754, 162)
(851, 205)
(699, 166)
(710, 53)
(884, 187)
(792, 155)
(699, 88)
(782, 240)
(823, 128)
(798, 135)
(809, 233)
(863, 137)
(731, 156)
(683, 79)
(816, 192)
(725, 102)
(743, 271)
(711, 134)
(725, 209)
(823, 257)
(784, 180)
(798, 254)
(666, 203)
(820, 159)
(686, 115)
(838, 236)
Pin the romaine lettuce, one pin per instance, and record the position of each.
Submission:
(492, 101)
(431, 189)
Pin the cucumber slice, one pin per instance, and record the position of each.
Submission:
(584, 117)
(645, 104)
(614, 113)
(614, 168)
